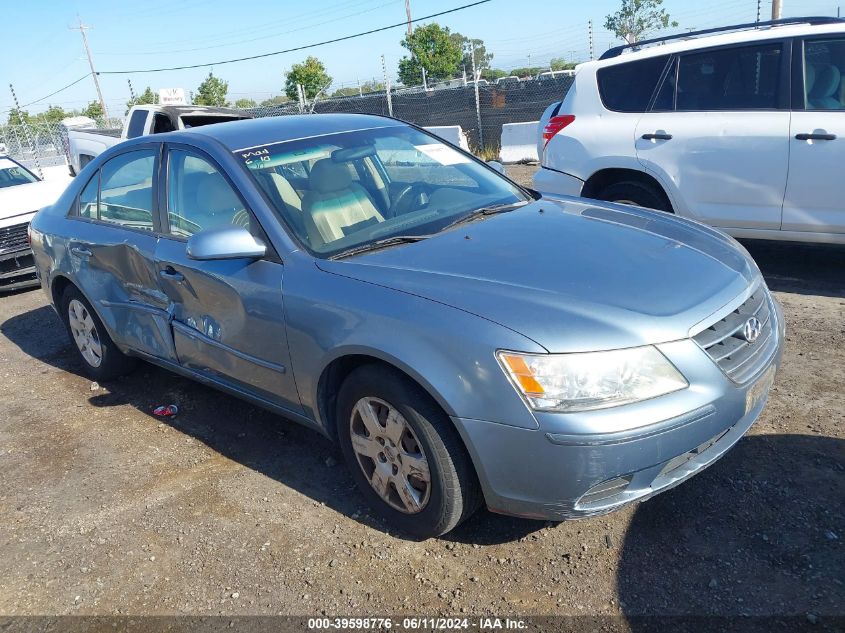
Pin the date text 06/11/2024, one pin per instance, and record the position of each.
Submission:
(418, 624)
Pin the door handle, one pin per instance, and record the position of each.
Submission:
(80, 251)
(816, 137)
(657, 136)
(172, 274)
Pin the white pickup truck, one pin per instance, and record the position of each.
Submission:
(82, 145)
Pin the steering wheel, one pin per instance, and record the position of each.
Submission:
(407, 195)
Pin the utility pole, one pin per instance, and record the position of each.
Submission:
(82, 28)
(131, 92)
(759, 6)
(477, 102)
(529, 60)
(777, 9)
(590, 38)
(387, 87)
(408, 13)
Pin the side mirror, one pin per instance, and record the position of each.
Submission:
(229, 242)
(497, 166)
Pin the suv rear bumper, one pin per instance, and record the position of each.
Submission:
(557, 183)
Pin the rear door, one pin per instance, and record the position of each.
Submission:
(717, 134)
(228, 316)
(112, 251)
(815, 192)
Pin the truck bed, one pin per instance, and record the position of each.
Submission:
(115, 132)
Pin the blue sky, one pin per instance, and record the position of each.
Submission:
(42, 54)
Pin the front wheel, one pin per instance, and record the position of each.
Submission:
(404, 453)
(99, 355)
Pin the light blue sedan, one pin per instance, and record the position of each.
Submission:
(464, 340)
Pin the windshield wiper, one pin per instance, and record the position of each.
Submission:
(378, 244)
(486, 211)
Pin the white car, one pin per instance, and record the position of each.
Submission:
(22, 193)
(743, 129)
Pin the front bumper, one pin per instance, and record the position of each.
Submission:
(17, 270)
(591, 463)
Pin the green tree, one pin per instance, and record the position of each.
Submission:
(212, 92)
(637, 19)
(431, 47)
(466, 44)
(19, 117)
(275, 101)
(148, 97)
(53, 114)
(492, 74)
(528, 71)
(353, 91)
(245, 103)
(559, 63)
(94, 110)
(311, 74)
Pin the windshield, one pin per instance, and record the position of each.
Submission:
(341, 191)
(12, 174)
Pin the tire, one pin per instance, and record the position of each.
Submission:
(640, 194)
(452, 491)
(100, 357)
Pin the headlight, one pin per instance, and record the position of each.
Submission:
(591, 380)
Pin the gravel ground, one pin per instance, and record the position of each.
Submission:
(227, 509)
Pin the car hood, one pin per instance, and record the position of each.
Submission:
(571, 275)
(18, 203)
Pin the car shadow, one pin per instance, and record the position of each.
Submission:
(297, 457)
(760, 535)
(812, 269)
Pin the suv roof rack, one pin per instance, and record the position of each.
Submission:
(617, 50)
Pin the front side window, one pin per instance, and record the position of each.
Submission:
(824, 61)
(126, 190)
(738, 78)
(199, 197)
(628, 87)
(342, 191)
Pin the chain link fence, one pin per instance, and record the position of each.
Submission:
(40, 145)
(480, 113)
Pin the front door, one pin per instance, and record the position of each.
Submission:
(228, 316)
(815, 193)
(718, 132)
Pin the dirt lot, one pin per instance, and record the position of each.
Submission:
(227, 509)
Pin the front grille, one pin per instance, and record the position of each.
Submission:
(726, 344)
(13, 237)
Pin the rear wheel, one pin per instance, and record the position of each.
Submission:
(100, 357)
(404, 453)
(639, 194)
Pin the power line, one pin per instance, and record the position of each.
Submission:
(73, 83)
(291, 50)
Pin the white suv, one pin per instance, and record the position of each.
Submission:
(744, 130)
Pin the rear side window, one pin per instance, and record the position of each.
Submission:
(126, 190)
(740, 78)
(628, 87)
(136, 124)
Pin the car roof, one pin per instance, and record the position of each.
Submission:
(721, 39)
(236, 135)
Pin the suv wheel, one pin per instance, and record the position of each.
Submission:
(98, 353)
(404, 453)
(639, 194)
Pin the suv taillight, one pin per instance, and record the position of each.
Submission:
(555, 125)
